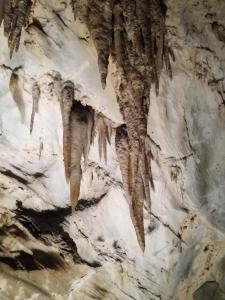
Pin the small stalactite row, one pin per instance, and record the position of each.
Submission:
(81, 123)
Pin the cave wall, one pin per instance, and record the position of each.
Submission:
(47, 253)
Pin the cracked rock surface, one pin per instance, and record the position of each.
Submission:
(47, 253)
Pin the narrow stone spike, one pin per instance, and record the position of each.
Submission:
(36, 93)
(67, 97)
(16, 91)
(134, 194)
(79, 122)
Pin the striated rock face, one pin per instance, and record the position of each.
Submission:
(47, 253)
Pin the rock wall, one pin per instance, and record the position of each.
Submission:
(47, 253)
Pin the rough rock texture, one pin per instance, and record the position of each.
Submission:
(47, 253)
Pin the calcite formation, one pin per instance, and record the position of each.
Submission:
(15, 15)
(48, 253)
(133, 34)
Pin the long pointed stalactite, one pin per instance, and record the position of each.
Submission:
(79, 126)
(132, 33)
(15, 86)
(77, 131)
(36, 93)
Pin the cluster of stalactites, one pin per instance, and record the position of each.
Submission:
(14, 15)
(98, 17)
(80, 124)
(132, 33)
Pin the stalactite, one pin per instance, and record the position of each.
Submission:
(15, 15)
(77, 136)
(36, 93)
(81, 119)
(67, 97)
(16, 91)
(133, 34)
(104, 128)
(136, 186)
(80, 122)
(134, 194)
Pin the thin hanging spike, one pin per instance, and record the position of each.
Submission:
(75, 181)
(122, 150)
(158, 12)
(67, 97)
(102, 127)
(168, 52)
(90, 125)
(15, 87)
(149, 158)
(104, 144)
(79, 134)
(134, 194)
(57, 84)
(100, 145)
(100, 25)
(36, 93)
(75, 153)
(156, 81)
(109, 133)
(171, 53)
(138, 199)
(150, 177)
(93, 129)
(145, 179)
(143, 18)
(168, 65)
(19, 19)
(2, 11)
(108, 129)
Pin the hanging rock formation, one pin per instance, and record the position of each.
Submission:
(15, 15)
(97, 246)
(15, 86)
(79, 125)
(132, 34)
(36, 93)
